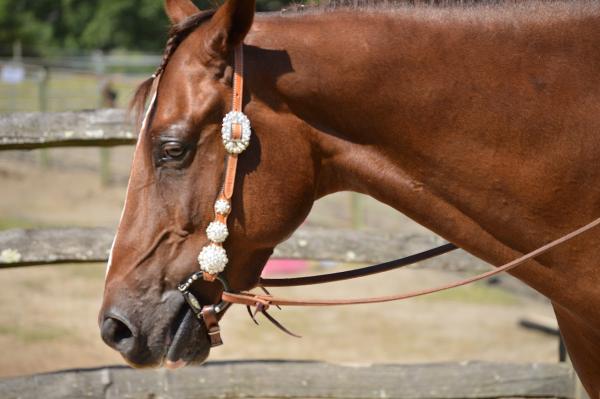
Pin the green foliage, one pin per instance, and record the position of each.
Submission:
(48, 27)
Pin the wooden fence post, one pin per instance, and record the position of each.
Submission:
(43, 82)
(107, 99)
(356, 211)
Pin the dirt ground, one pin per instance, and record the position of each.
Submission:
(48, 314)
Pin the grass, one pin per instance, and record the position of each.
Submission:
(34, 334)
(17, 223)
(478, 293)
(65, 92)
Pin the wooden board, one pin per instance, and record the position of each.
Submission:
(25, 131)
(26, 247)
(282, 379)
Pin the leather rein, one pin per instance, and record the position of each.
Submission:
(213, 257)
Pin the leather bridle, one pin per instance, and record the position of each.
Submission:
(213, 258)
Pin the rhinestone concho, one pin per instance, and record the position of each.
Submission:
(222, 207)
(213, 259)
(217, 232)
(236, 146)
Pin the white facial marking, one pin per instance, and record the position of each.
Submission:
(142, 130)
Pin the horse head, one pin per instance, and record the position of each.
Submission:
(175, 179)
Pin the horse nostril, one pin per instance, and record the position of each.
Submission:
(118, 334)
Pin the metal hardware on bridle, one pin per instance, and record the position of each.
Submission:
(208, 314)
(213, 259)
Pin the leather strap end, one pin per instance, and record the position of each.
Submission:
(215, 337)
(209, 316)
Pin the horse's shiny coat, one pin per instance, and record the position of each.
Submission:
(481, 123)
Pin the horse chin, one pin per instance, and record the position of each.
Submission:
(186, 343)
(189, 343)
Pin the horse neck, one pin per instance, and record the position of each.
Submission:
(476, 130)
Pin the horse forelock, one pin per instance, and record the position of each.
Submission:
(177, 34)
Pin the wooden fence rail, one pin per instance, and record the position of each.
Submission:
(26, 247)
(282, 379)
(97, 128)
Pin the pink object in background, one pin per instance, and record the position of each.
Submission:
(285, 266)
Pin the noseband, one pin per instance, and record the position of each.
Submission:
(236, 132)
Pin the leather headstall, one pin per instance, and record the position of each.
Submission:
(235, 133)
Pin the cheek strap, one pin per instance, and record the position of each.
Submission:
(235, 133)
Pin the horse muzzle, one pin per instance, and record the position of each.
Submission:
(168, 334)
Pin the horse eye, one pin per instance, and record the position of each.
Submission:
(173, 150)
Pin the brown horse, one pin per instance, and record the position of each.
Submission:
(481, 123)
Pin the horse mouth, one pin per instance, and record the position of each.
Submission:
(188, 341)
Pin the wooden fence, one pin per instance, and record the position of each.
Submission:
(98, 128)
(266, 379)
(27, 247)
(282, 379)
(111, 127)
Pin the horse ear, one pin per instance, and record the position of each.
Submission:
(230, 24)
(178, 10)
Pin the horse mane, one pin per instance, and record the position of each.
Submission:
(366, 5)
(177, 33)
(330, 5)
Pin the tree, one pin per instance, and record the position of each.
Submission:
(46, 27)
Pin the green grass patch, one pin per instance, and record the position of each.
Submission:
(476, 294)
(17, 223)
(34, 334)
(65, 92)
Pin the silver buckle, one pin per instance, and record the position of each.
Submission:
(236, 146)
